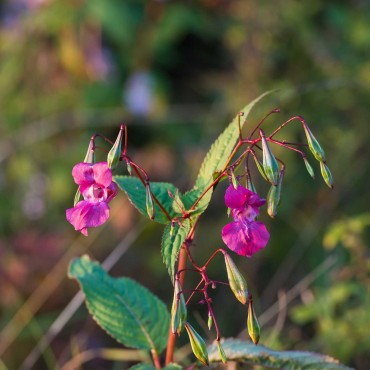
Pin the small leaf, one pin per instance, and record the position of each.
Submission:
(171, 243)
(137, 195)
(247, 352)
(123, 308)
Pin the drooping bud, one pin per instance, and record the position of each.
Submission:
(197, 344)
(314, 145)
(233, 179)
(237, 282)
(309, 168)
(270, 165)
(129, 167)
(178, 311)
(210, 321)
(273, 196)
(260, 168)
(114, 154)
(149, 202)
(221, 352)
(252, 323)
(326, 175)
(89, 158)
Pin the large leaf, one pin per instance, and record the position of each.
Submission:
(136, 192)
(123, 308)
(173, 237)
(146, 366)
(246, 351)
(216, 159)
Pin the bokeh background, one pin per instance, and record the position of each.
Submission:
(177, 72)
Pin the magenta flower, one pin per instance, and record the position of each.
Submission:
(244, 236)
(97, 189)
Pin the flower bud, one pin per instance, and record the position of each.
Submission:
(129, 167)
(149, 203)
(314, 145)
(270, 165)
(273, 197)
(197, 344)
(326, 175)
(114, 154)
(178, 311)
(252, 323)
(89, 158)
(221, 352)
(309, 168)
(210, 321)
(237, 282)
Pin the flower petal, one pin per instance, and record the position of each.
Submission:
(83, 174)
(236, 198)
(102, 174)
(112, 191)
(86, 214)
(245, 239)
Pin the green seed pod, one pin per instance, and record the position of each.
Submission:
(233, 179)
(260, 168)
(326, 175)
(197, 344)
(250, 185)
(273, 197)
(178, 311)
(314, 145)
(89, 158)
(309, 168)
(270, 165)
(221, 352)
(149, 203)
(252, 323)
(114, 154)
(237, 282)
(210, 322)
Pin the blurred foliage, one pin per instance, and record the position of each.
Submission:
(177, 72)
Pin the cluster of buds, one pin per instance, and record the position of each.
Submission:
(238, 286)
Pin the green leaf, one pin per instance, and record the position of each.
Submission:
(136, 193)
(123, 308)
(142, 366)
(245, 351)
(216, 159)
(172, 240)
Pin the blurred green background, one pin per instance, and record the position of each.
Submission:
(177, 72)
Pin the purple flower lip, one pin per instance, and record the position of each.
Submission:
(244, 235)
(97, 189)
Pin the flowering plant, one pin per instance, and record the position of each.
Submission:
(133, 315)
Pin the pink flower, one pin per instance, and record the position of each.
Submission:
(97, 189)
(244, 236)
